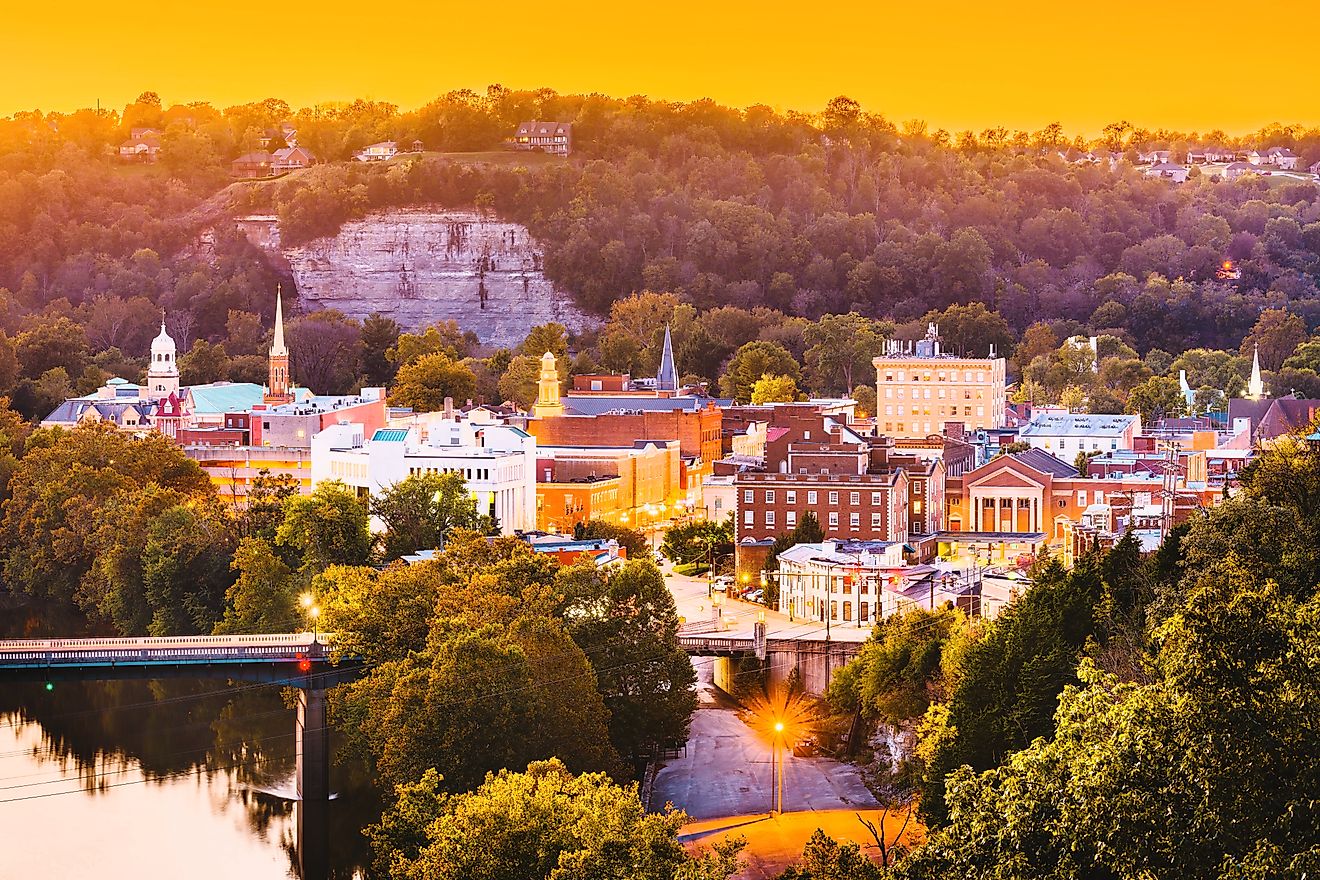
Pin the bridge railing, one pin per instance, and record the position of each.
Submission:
(155, 643)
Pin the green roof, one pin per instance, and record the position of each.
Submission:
(225, 397)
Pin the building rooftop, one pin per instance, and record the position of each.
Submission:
(1056, 424)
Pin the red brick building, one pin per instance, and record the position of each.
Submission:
(866, 507)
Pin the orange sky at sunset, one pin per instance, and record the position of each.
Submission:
(955, 64)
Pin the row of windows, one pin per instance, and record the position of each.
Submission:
(791, 497)
(863, 609)
(917, 394)
(468, 473)
(790, 519)
(939, 411)
(939, 376)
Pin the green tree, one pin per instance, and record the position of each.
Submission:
(419, 509)
(1009, 680)
(424, 383)
(629, 628)
(379, 336)
(442, 337)
(58, 492)
(265, 597)
(698, 541)
(1278, 333)
(519, 381)
(1203, 772)
(841, 349)
(630, 539)
(203, 363)
(1157, 397)
(751, 362)
(328, 527)
(544, 824)
(824, 858)
(901, 666)
(972, 329)
(774, 389)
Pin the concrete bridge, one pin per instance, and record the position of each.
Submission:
(815, 660)
(298, 660)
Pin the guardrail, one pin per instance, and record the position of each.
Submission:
(262, 647)
(168, 641)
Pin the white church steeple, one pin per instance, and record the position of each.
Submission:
(1256, 387)
(163, 374)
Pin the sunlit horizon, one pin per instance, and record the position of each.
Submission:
(969, 67)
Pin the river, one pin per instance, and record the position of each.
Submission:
(172, 778)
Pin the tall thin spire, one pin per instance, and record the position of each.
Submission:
(1256, 387)
(667, 378)
(277, 348)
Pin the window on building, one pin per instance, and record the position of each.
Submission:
(769, 517)
(834, 498)
(1081, 497)
(748, 517)
(811, 497)
(790, 497)
(875, 520)
(834, 610)
(790, 518)
(747, 493)
(876, 498)
(863, 609)
(847, 611)
(834, 520)
(769, 496)
(854, 497)
(854, 521)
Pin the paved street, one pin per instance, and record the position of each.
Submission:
(726, 769)
(690, 595)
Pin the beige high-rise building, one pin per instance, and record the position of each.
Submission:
(918, 389)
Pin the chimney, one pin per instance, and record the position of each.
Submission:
(449, 407)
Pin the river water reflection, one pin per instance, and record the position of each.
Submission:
(171, 778)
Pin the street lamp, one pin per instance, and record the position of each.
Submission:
(777, 759)
(309, 604)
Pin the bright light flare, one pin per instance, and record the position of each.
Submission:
(781, 719)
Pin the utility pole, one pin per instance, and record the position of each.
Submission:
(1169, 487)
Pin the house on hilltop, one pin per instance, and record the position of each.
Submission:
(381, 152)
(291, 159)
(252, 165)
(555, 138)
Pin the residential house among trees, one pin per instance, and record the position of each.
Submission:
(142, 146)
(555, 138)
(381, 152)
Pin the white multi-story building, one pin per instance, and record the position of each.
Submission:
(855, 583)
(1064, 434)
(497, 461)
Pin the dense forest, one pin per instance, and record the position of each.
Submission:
(785, 216)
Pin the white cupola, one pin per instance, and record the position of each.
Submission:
(163, 374)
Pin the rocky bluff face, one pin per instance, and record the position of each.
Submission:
(420, 266)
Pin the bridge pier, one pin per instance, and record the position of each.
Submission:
(313, 745)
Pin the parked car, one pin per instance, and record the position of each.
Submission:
(755, 595)
(804, 749)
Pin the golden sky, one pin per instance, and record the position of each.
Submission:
(956, 64)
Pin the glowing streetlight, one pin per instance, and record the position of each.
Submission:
(778, 756)
(308, 602)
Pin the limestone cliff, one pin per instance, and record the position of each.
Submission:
(421, 265)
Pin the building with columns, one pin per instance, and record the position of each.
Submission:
(1014, 505)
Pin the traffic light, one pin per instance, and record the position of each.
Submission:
(50, 685)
